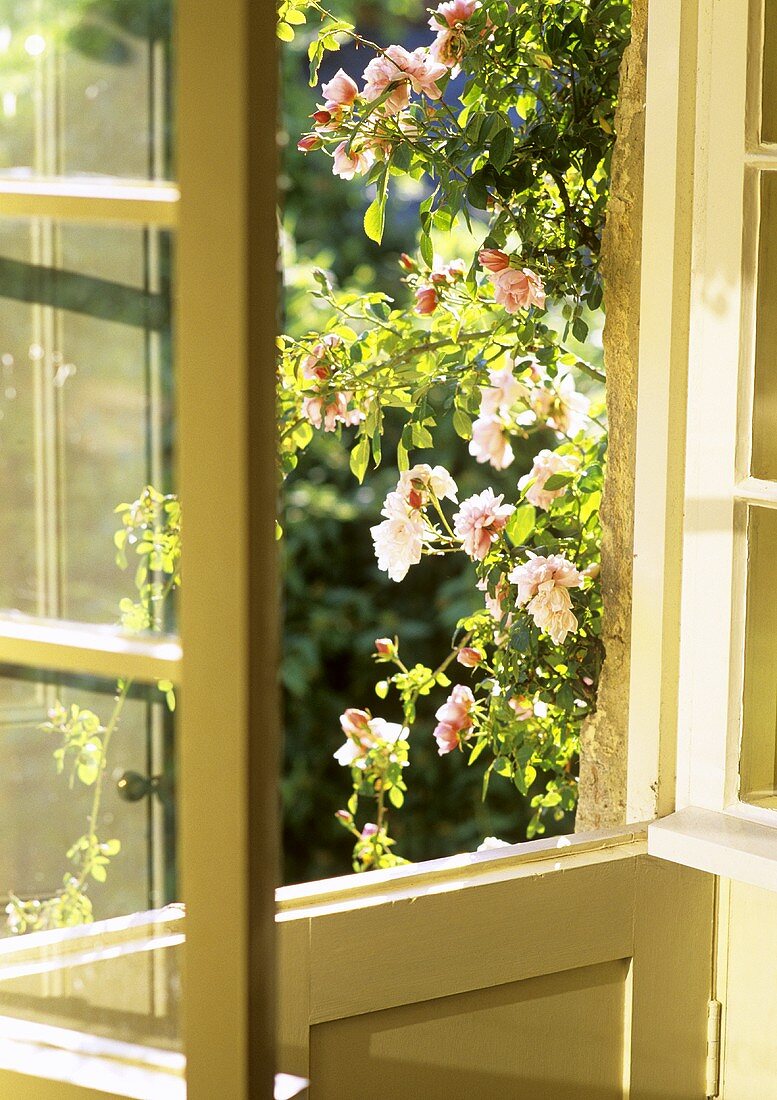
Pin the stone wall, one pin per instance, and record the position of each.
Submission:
(603, 749)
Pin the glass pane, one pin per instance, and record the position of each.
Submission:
(86, 87)
(758, 766)
(85, 413)
(87, 791)
(764, 460)
(769, 70)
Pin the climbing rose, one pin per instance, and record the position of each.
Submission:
(312, 366)
(362, 734)
(546, 463)
(515, 289)
(340, 91)
(562, 408)
(425, 300)
(396, 64)
(543, 586)
(451, 41)
(416, 484)
(399, 539)
(330, 411)
(480, 521)
(453, 718)
(347, 165)
(489, 443)
(309, 142)
(505, 390)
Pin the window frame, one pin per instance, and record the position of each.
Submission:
(694, 432)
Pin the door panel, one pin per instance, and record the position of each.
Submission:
(582, 971)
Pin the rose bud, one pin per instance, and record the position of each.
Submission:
(309, 142)
(321, 117)
(593, 570)
(425, 300)
(407, 262)
(469, 657)
(369, 830)
(493, 259)
(414, 499)
(384, 647)
(344, 816)
(439, 278)
(354, 722)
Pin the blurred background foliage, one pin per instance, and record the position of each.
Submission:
(336, 601)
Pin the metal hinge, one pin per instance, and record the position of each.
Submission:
(712, 1070)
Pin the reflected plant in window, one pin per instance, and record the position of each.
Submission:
(504, 123)
(151, 533)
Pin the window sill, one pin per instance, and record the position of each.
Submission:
(730, 844)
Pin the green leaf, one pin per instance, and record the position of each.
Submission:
(374, 219)
(382, 689)
(403, 458)
(425, 247)
(521, 524)
(462, 424)
(396, 797)
(501, 148)
(285, 32)
(422, 437)
(477, 193)
(559, 481)
(360, 457)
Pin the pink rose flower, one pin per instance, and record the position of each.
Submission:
(479, 522)
(370, 830)
(489, 443)
(546, 463)
(543, 586)
(562, 408)
(426, 300)
(449, 22)
(453, 12)
(522, 707)
(416, 70)
(341, 90)
(313, 367)
(453, 718)
(330, 411)
(504, 392)
(399, 540)
(384, 647)
(493, 259)
(347, 165)
(469, 657)
(362, 734)
(516, 289)
(417, 483)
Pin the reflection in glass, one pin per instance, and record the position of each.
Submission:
(764, 460)
(758, 764)
(86, 88)
(87, 797)
(85, 408)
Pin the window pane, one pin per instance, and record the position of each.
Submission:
(764, 461)
(85, 410)
(769, 78)
(74, 753)
(758, 768)
(86, 88)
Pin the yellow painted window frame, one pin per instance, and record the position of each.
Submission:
(692, 453)
(223, 208)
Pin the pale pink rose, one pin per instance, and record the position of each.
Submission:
(469, 657)
(453, 719)
(341, 90)
(592, 571)
(384, 647)
(453, 12)
(543, 586)
(516, 289)
(546, 463)
(399, 539)
(417, 483)
(495, 604)
(425, 300)
(522, 707)
(347, 165)
(504, 392)
(489, 443)
(362, 734)
(562, 408)
(493, 260)
(384, 70)
(313, 368)
(308, 142)
(330, 411)
(369, 831)
(479, 522)
(424, 72)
